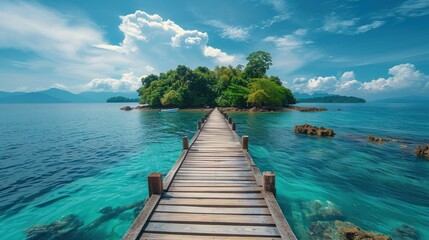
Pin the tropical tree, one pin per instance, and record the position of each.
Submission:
(258, 64)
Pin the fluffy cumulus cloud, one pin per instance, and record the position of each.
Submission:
(75, 52)
(405, 79)
(128, 82)
(142, 31)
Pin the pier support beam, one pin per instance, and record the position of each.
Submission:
(230, 120)
(245, 142)
(203, 120)
(234, 126)
(199, 125)
(154, 181)
(185, 142)
(269, 182)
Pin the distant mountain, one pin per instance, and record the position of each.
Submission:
(333, 99)
(55, 95)
(406, 99)
(312, 95)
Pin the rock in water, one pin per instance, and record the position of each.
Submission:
(126, 108)
(321, 211)
(377, 139)
(405, 232)
(322, 230)
(60, 229)
(313, 130)
(422, 151)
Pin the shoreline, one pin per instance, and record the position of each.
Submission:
(236, 109)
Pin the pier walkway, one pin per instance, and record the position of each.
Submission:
(214, 191)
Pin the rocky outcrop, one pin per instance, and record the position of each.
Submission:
(64, 228)
(318, 210)
(379, 140)
(313, 130)
(126, 108)
(341, 230)
(422, 151)
(308, 109)
(405, 232)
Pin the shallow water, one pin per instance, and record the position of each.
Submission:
(61, 159)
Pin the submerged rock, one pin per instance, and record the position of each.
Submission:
(422, 151)
(308, 109)
(377, 139)
(341, 230)
(126, 108)
(313, 130)
(60, 229)
(321, 211)
(405, 232)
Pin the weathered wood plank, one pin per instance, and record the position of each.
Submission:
(213, 195)
(239, 230)
(214, 202)
(244, 210)
(240, 189)
(161, 236)
(135, 230)
(205, 218)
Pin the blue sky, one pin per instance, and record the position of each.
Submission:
(372, 49)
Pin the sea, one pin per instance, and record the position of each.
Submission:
(78, 171)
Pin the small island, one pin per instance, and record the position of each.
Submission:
(242, 87)
(332, 99)
(120, 99)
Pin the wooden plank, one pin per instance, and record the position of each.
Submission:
(237, 178)
(215, 210)
(277, 214)
(162, 236)
(212, 203)
(239, 189)
(213, 195)
(240, 230)
(262, 220)
(217, 174)
(135, 230)
(234, 169)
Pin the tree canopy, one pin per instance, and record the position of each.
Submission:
(224, 86)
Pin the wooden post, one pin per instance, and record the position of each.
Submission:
(225, 115)
(234, 127)
(199, 125)
(230, 120)
(269, 182)
(154, 181)
(185, 142)
(203, 120)
(245, 142)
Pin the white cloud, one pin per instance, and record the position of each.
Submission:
(127, 83)
(289, 41)
(404, 76)
(368, 27)
(75, 51)
(413, 8)
(334, 24)
(405, 80)
(231, 32)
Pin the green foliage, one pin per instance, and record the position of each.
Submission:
(121, 99)
(258, 65)
(223, 86)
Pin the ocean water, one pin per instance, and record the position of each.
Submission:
(85, 165)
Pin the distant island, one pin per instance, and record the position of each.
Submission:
(120, 99)
(225, 86)
(55, 95)
(332, 99)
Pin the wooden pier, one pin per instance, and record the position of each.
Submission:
(214, 191)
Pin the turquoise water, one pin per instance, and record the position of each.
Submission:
(81, 159)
